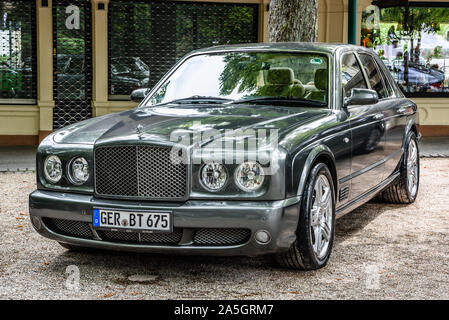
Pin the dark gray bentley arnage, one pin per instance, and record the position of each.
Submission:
(238, 150)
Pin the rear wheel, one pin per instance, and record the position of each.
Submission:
(405, 188)
(315, 233)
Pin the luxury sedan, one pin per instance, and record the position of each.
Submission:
(238, 150)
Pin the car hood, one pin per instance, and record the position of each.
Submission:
(162, 123)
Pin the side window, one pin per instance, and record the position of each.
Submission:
(390, 90)
(351, 74)
(373, 74)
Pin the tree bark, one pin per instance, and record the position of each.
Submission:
(293, 20)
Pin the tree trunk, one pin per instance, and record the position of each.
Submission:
(293, 20)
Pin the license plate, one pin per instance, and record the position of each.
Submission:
(134, 221)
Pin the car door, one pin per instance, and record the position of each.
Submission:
(367, 132)
(395, 109)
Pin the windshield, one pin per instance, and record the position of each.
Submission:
(246, 76)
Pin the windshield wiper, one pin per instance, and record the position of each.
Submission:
(199, 99)
(280, 98)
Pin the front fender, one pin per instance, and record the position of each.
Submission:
(303, 162)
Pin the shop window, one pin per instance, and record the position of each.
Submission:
(17, 52)
(412, 41)
(147, 37)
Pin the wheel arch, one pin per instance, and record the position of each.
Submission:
(413, 127)
(320, 153)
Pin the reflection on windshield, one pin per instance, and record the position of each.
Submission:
(248, 75)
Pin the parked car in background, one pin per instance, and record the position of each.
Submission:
(421, 78)
(127, 74)
(247, 150)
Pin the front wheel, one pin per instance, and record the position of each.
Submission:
(315, 233)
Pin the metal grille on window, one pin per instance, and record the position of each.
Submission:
(17, 52)
(72, 60)
(147, 37)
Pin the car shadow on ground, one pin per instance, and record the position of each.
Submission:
(356, 220)
(123, 264)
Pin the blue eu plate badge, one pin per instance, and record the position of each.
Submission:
(96, 218)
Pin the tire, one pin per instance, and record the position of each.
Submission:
(302, 255)
(404, 189)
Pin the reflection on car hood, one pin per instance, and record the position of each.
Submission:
(158, 124)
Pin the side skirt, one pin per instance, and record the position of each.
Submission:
(367, 196)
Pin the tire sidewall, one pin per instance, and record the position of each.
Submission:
(304, 240)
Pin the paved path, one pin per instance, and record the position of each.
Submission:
(17, 158)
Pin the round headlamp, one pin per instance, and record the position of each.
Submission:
(53, 169)
(249, 176)
(213, 176)
(79, 170)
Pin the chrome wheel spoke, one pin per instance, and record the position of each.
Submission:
(326, 196)
(317, 231)
(326, 231)
(318, 191)
(314, 216)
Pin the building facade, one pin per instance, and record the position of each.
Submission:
(63, 61)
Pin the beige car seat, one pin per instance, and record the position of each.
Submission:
(281, 82)
(320, 83)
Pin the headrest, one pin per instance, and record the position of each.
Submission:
(321, 78)
(280, 75)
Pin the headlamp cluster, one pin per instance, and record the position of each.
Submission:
(77, 170)
(248, 176)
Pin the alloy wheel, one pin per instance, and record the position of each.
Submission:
(321, 216)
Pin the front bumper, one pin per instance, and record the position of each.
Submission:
(279, 218)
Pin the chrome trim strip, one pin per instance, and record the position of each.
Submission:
(370, 167)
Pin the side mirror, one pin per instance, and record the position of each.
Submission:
(139, 94)
(361, 97)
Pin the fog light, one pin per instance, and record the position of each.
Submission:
(263, 236)
(36, 222)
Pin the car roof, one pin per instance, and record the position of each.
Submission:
(329, 48)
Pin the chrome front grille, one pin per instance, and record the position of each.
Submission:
(143, 172)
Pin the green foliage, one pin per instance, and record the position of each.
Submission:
(241, 71)
(437, 51)
(71, 45)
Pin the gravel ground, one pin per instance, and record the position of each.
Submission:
(381, 251)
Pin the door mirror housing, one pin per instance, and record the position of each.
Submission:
(139, 94)
(361, 97)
